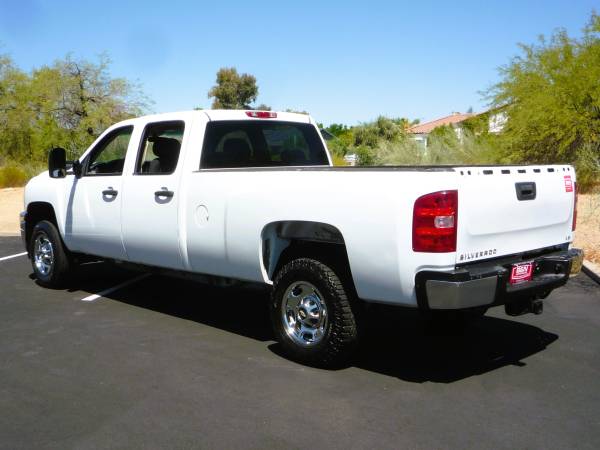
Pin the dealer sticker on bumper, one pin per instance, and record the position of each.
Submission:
(521, 272)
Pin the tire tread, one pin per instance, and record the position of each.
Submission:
(344, 329)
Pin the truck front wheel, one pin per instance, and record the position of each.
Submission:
(49, 258)
(313, 313)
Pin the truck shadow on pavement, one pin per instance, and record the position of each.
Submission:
(398, 342)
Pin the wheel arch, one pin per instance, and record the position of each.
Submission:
(284, 240)
(36, 212)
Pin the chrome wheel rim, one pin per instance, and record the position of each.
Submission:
(304, 314)
(43, 254)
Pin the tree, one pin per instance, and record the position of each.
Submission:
(233, 91)
(67, 104)
(551, 96)
(337, 128)
(16, 117)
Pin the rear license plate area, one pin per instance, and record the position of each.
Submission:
(521, 272)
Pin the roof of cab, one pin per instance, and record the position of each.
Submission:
(240, 114)
(216, 114)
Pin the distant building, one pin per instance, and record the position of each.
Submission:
(420, 132)
(496, 122)
(351, 159)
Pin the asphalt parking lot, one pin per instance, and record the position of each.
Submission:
(165, 363)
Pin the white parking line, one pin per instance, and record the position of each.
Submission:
(105, 292)
(4, 258)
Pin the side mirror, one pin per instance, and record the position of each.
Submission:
(57, 163)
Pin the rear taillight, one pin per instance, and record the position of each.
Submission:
(435, 218)
(262, 114)
(574, 208)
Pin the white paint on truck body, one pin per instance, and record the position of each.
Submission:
(215, 221)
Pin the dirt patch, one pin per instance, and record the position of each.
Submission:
(587, 235)
(11, 204)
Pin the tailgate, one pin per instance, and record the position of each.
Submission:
(506, 210)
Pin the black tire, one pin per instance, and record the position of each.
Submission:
(340, 335)
(60, 266)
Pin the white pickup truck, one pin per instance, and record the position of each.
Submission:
(252, 196)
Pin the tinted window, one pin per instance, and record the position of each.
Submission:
(159, 149)
(261, 144)
(108, 156)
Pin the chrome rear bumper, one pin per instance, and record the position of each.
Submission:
(486, 284)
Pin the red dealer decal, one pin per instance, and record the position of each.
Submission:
(521, 272)
(568, 183)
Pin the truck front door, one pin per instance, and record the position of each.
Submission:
(93, 208)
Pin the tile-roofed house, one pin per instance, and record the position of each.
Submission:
(496, 118)
(427, 127)
(422, 130)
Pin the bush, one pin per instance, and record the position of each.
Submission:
(338, 160)
(366, 156)
(443, 148)
(587, 166)
(12, 176)
(400, 153)
(370, 134)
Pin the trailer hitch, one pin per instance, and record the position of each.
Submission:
(520, 307)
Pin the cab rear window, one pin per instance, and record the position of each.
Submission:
(261, 143)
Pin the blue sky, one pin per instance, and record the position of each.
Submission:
(343, 61)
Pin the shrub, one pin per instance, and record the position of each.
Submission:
(400, 153)
(365, 155)
(587, 166)
(338, 160)
(12, 176)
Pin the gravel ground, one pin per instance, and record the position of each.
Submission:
(587, 235)
(11, 204)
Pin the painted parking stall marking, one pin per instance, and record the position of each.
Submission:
(91, 298)
(4, 258)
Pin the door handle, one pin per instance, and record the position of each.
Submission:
(526, 191)
(164, 193)
(110, 192)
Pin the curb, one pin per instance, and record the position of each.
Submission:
(591, 270)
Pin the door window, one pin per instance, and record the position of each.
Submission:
(108, 157)
(159, 149)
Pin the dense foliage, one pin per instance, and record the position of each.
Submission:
(388, 142)
(551, 95)
(67, 104)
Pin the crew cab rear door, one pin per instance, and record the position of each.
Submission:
(151, 197)
(509, 210)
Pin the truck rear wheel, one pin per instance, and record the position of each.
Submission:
(312, 313)
(49, 258)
